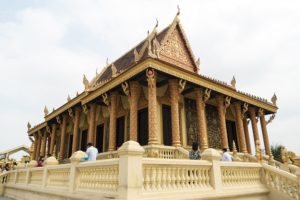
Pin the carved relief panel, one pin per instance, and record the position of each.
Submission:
(191, 121)
(213, 131)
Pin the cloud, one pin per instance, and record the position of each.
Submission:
(45, 48)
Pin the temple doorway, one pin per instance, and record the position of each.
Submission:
(83, 140)
(99, 138)
(120, 131)
(167, 126)
(143, 126)
(231, 135)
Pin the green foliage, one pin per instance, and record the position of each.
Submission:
(276, 151)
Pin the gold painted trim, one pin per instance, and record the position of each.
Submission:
(37, 128)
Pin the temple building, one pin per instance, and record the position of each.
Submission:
(155, 94)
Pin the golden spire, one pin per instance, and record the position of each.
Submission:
(86, 82)
(69, 98)
(233, 82)
(274, 99)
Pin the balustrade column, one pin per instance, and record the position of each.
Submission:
(48, 143)
(75, 130)
(264, 131)
(247, 137)
(53, 136)
(62, 137)
(92, 126)
(252, 114)
(222, 121)
(240, 128)
(152, 107)
(133, 101)
(174, 97)
(201, 118)
(112, 121)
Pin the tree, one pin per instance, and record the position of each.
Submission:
(276, 151)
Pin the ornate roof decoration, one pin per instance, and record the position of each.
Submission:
(68, 98)
(86, 82)
(28, 126)
(233, 82)
(156, 45)
(46, 112)
(274, 99)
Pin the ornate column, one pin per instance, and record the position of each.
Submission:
(174, 97)
(222, 120)
(38, 149)
(92, 127)
(44, 140)
(75, 130)
(201, 117)
(133, 102)
(240, 128)
(247, 137)
(253, 124)
(62, 137)
(152, 106)
(112, 121)
(35, 147)
(53, 131)
(264, 131)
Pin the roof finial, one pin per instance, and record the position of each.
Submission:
(178, 10)
(156, 23)
(28, 126)
(69, 98)
(107, 61)
(274, 99)
(233, 82)
(86, 82)
(46, 112)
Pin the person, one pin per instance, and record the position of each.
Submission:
(40, 162)
(226, 156)
(194, 152)
(92, 152)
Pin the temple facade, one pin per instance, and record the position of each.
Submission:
(155, 94)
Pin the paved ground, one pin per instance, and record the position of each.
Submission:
(5, 198)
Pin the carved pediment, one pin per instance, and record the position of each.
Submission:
(175, 51)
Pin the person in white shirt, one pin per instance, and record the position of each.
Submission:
(92, 152)
(226, 156)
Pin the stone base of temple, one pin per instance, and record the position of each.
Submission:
(133, 175)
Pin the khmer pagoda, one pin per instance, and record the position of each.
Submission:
(154, 94)
(143, 112)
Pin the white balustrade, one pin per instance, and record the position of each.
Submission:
(58, 176)
(36, 176)
(240, 174)
(165, 152)
(282, 181)
(168, 175)
(21, 176)
(97, 176)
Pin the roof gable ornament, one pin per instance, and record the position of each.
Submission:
(233, 82)
(136, 56)
(28, 126)
(274, 100)
(69, 98)
(198, 65)
(86, 82)
(46, 112)
(113, 70)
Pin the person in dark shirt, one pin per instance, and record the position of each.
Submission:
(195, 153)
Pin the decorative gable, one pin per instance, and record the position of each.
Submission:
(175, 51)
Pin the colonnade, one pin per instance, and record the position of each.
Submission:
(111, 101)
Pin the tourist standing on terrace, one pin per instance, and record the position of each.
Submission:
(92, 152)
(195, 153)
(226, 156)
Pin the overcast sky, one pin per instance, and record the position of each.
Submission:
(47, 46)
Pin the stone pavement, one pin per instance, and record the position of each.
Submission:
(5, 198)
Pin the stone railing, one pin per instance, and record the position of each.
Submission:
(237, 174)
(107, 155)
(175, 175)
(102, 177)
(165, 152)
(286, 167)
(134, 176)
(282, 181)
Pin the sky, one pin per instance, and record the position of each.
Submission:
(47, 46)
